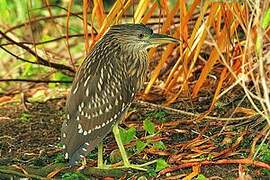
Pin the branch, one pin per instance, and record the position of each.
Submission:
(39, 59)
(45, 172)
(45, 42)
(34, 80)
(222, 161)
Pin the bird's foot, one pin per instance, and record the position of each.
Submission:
(140, 167)
(104, 166)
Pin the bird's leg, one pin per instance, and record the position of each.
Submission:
(100, 155)
(100, 163)
(124, 154)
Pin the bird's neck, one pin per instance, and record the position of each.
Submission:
(136, 66)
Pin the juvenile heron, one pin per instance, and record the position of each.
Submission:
(104, 87)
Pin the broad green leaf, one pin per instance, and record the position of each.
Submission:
(140, 146)
(159, 145)
(161, 164)
(127, 135)
(201, 177)
(149, 126)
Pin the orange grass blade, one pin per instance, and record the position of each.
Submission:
(141, 9)
(85, 26)
(168, 50)
(98, 12)
(118, 5)
(67, 32)
(222, 41)
(183, 24)
(123, 10)
(147, 16)
(196, 37)
(218, 89)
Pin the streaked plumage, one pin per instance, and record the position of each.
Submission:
(104, 88)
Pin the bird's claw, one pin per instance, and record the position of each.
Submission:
(137, 166)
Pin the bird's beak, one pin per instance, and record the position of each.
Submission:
(158, 39)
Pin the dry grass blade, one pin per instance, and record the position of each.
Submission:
(98, 12)
(85, 27)
(110, 19)
(141, 9)
(168, 50)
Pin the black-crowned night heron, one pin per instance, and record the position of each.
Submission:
(104, 87)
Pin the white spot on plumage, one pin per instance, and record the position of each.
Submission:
(68, 116)
(101, 73)
(115, 116)
(99, 87)
(89, 131)
(64, 135)
(87, 144)
(82, 156)
(86, 81)
(100, 112)
(64, 146)
(66, 155)
(78, 118)
(76, 88)
(103, 100)
(87, 92)
(79, 126)
(110, 70)
(97, 127)
(106, 109)
(103, 124)
(94, 105)
(96, 96)
(85, 133)
(80, 131)
(84, 149)
(110, 106)
(116, 102)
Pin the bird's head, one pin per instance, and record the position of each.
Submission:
(138, 36)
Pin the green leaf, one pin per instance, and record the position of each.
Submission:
(71, 176)
(161, 164)
(127, 135)
(264, 152)
(201, 177)
(266, 19)
(140, 146)
(159, 145)
(149, 126)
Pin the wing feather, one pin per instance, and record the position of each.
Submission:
(99, 97)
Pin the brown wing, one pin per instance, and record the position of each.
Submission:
(100, 95)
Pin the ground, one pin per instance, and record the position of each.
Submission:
(30, 137)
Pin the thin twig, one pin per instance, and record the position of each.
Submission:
(39, 59)
(34, 80)
(177, 111)
(222, 161)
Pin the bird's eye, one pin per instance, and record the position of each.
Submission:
(141, 36)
